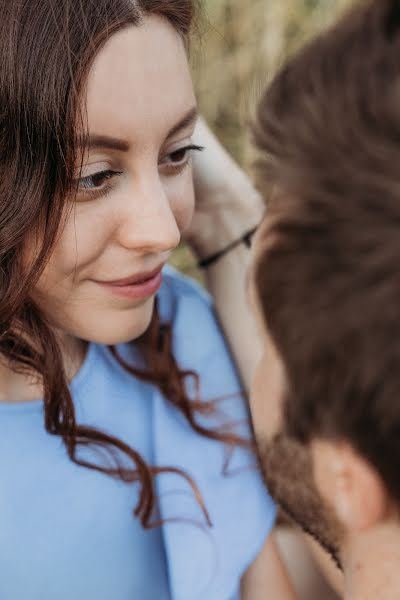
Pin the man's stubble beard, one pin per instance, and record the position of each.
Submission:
(287, 469)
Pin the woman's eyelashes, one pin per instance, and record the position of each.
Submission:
(98, 184)
(102, 182)
(97, 180)
(176, 161)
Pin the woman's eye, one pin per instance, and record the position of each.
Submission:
(96, 181)
(180, 157)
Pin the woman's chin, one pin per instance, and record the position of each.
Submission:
(112, 330)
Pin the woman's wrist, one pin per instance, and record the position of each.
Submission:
(244, 239)
(237, 212)
(227, 205)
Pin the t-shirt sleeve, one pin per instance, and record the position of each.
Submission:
(239, 505)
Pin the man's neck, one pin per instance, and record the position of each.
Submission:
(372, 564)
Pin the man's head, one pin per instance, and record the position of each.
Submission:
(326, 279)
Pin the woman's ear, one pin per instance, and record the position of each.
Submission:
(350, 484)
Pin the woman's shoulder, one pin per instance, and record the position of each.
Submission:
(188, 307)
(237, 503)
(197, 334)
(240, 510)
(199, 343)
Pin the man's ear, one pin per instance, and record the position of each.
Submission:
(350, 485)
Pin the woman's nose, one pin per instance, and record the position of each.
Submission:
(147, 220)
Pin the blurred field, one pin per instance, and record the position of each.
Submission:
(239, 46)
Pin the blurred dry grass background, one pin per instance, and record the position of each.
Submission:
(239, 46)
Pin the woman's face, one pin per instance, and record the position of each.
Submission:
(135, 191)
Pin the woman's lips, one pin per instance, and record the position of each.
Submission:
(144, 287)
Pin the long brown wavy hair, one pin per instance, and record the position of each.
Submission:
(46, 51)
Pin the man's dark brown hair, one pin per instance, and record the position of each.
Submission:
(329, 278)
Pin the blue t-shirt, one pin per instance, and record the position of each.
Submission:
(67, 533)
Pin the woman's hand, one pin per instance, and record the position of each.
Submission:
(227, 204)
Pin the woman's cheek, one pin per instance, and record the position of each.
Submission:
(82, 240)
(182, 200)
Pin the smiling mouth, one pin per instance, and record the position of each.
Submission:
(136, 278)
(139, 286)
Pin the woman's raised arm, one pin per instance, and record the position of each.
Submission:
(227, 207)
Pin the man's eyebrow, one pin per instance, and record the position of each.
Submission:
(104, 141)
(187, 120)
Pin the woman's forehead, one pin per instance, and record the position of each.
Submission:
(139, 84)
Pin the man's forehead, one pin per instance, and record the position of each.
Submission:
(253, 302)
(259, 246)
(262, 241)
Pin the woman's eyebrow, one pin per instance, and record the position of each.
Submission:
(104, 141)
(187, 120)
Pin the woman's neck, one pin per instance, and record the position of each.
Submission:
(18, 387)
